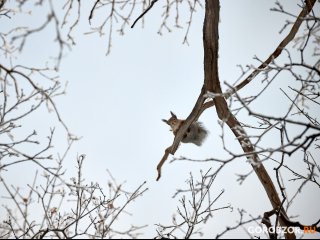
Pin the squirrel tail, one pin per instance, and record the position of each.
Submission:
(196, 135)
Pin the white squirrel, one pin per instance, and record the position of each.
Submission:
(195, 134)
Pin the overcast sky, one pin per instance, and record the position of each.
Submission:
(116, 104)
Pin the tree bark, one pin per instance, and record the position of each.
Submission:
(212, 84)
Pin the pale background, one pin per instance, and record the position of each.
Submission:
(116, 104)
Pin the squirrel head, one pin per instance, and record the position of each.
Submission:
(173, 122)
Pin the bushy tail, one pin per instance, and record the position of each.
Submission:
(196, 134)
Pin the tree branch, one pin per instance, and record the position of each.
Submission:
(304, 12)
(190, 119)
(212, 83)
(144, 12)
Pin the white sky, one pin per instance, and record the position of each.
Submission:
(116, 104)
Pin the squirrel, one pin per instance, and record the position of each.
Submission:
(195, 134)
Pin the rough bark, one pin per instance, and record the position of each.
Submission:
(212, 84)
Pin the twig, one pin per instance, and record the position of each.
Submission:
(145, 11)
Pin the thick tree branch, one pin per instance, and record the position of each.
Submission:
(210, 40)
(304, 12)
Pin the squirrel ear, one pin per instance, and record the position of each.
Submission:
(173, 115)
(166, 121)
